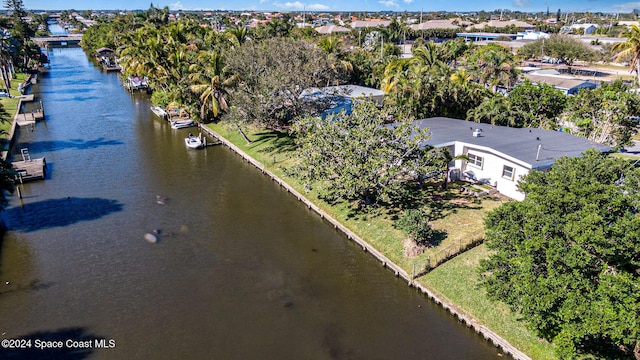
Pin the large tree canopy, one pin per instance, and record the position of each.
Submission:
(527, 105)
(630, 49)
(357, 157)
(568, 256)
(605, 114)
(7, 174)
(273, 73)
(565, 48)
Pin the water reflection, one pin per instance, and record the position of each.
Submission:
(76, 144)
(58, 212)
(243, 270)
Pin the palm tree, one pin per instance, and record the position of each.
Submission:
(237, 34)
(428, 55)
(279, 28)
(454, 50)
(207, 74)
(394, 73)
(447, 158)
(330, 44)
(630, 48)
(7, 182)
(496, 111)
(495, 66)
(6, 63)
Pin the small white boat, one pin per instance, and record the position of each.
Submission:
(159, 112)
(194, 142)
(181, 124)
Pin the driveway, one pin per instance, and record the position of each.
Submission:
(633, 150)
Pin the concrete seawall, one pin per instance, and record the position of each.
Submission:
(468, 320)
(14, 122)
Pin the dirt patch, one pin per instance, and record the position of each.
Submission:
(411, 249)
(462, 202)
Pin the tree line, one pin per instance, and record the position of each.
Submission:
(18, 53)
(257, 75)
(566, 257)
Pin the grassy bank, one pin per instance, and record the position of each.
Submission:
(461, 217)
(457, 281)
(10, 105)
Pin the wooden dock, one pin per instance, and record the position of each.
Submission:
(27, 119)
(108, 68)
(31, 169)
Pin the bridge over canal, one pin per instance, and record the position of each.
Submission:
(62, 40)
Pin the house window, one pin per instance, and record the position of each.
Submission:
(475, 160)
(507, 172)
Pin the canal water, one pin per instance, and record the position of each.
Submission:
(241, 270)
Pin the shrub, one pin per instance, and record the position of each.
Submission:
(415, 224)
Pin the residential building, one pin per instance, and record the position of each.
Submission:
(587, 29)
(330, 29)
(359, 24)
(503, 24)
(568, 85)
(435, 24)
(500, 156)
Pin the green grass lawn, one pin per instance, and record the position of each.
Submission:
(461, 217)
(625, 156)
(457, 281)
(10, 105)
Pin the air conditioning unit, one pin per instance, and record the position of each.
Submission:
(454, 174)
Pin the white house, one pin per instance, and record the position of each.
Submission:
(532, 35)
(498, 155)
(588, 29)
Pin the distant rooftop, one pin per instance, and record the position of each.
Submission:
(559, 82)
(479, 36)
(502, 24)
(330, 29)
(357, 24)
(435, 24)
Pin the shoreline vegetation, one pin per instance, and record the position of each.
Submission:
(10, 105)
(245, 76)
(455, 280)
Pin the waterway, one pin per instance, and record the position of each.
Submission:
(241, 270)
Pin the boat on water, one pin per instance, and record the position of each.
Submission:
(181, 124)
(160, 112)
(107, 59)
(194, 142)
(134, 83)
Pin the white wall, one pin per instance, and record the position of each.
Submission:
(492, 167)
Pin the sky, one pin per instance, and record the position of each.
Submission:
(609, 6)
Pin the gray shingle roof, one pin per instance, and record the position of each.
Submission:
(518, 143)
(557, 82)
